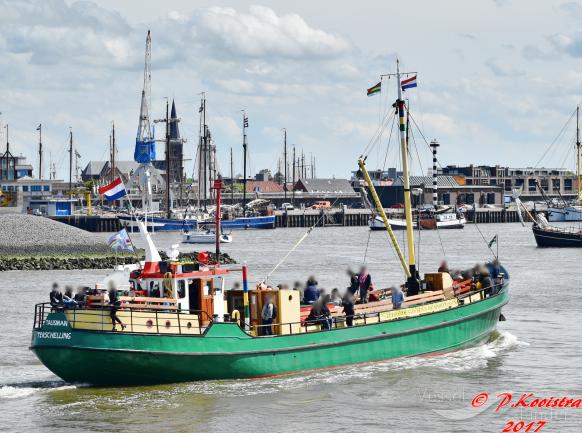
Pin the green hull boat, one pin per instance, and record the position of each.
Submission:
(225, 351)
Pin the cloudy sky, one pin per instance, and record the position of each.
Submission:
(497, 78)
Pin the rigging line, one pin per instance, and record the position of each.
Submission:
(441, 242)
(375, 136)
(389, 140)
(307, 233)
(556, 138)
(416, 150)
(483, 237)
(367, 244)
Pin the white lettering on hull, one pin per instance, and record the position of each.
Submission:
(54, 335)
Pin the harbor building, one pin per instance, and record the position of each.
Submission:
(553, 181)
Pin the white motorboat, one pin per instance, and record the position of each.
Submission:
(376, 223)
(204, 237)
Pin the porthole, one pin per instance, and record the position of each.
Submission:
(149, 323)
(168, 323)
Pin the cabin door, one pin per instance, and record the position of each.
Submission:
(194, 295)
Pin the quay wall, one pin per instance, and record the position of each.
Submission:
(303, 218)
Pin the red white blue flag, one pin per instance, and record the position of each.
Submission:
(409, 83)
(114, 190)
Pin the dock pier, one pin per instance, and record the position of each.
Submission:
(303, 218)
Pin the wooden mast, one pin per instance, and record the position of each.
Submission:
(412, 284)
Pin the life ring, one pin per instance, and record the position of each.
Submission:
(167, 285)
(235, 316)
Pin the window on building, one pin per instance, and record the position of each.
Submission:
(25, 188)
(545, 183)
(531, 185)
(518, 182)
(446, 198)
(567, 184)
(470, 198)
(46, 188)
(556, 186)
(35, 188)
(490, 198)
(507, 184)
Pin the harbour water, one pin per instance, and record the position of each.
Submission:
(538, 350)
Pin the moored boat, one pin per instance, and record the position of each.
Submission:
(204, 237)
(547, 235)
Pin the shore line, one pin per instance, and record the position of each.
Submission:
(88, 261)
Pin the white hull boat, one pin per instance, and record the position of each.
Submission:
(204, 237)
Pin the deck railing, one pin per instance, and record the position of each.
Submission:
(164, 322)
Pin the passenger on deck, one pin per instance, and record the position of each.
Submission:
(114, 304)
(320, 314)
(268, 315)
(486, 282)
(55, 296)
(364, 282)
(348, 304)
(397, 297)
(311, 292)
(444, 267)
(68, 298)
(80, 296)
(336, 298)
(494, 269)
(354, 283)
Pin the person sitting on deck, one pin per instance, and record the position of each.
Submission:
(397, 297)
(444, 267)
(320, 314)
(348, 304)
(68, 298)
(311, 292)
(55, 296)
(268, 315)
(364, 282)
(336, 298)
(114, 304)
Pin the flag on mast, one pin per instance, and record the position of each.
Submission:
(409, 83)
(375, 89)
(120, 241)
(114, 190)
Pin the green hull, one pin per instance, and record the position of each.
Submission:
(226, 352)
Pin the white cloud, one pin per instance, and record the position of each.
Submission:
(261, 32)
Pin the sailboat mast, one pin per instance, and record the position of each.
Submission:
(578, 149)
(285, 159)
(245, 124)
(112, 151)
(40, 151)
(231, 179)
(70, 159)
(168, 171)
(412, 283)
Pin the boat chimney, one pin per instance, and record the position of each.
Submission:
(435, 200)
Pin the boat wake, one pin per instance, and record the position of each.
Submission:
(25, 389)
(458, 361)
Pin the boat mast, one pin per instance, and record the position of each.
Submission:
(231, 179)
(245, 125)
(168, 171)
(70, 159)
(205, 150)
(412, 284)
(578, 149)
(435, 200)
(285, 164)
(293, 186)
(112, 151)
(40, 150)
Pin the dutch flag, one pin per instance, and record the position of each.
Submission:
(114, 190)
(409, 83)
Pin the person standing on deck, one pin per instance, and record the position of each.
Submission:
(354, 283)
(364, 283)
(348, 304)
(55, 296)
(397, 297)
(268, 315)
(114, 304)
